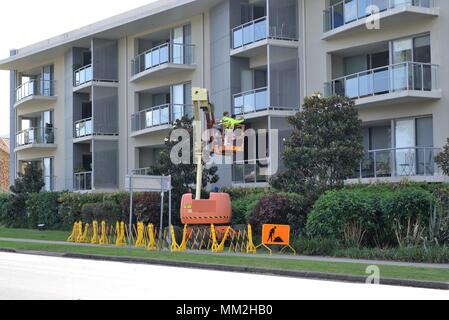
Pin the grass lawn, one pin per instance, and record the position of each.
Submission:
(396, 272)
(33, 234)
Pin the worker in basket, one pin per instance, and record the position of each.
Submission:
(229, 124)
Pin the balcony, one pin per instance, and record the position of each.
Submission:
(402, 82)
(34, 92)
(82, 181)
(83, 128)
(254, 104)
(250, 39)
(250, 172)
(83, 76)
(42, 138)
(415, 163)
(165, 59)
(158, 118)
(347, 16)
(142, 172)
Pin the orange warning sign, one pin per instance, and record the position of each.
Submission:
(274, 234)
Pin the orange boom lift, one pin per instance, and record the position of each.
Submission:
(217, 209)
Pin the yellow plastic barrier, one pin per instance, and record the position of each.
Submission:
(79, 233)
(140, 241)
(85, 235)
(174, 245)
(95, 239)
(120, 234)
(104, 240)
(218, 247)
(151, 238)
(74, 235)
(250, 247)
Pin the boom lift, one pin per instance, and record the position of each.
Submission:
(217, 209)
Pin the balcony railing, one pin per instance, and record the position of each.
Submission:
(250, 172)
(399, 162)
(175, 53)
(83, 128)
(394, 78)
(253, 101)
(258, 29)
(44, 88)
(159, 116)
(82, 181)
(345, 12)
(30, 136)
(83, 75)
(142, 172)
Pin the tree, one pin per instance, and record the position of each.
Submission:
(324, 148)
(28, 182)
(442, 159)
(183, 175)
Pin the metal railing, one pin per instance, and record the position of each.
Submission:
(347, 11)
(83, 128)
(254, 101)
(250, 171)
(142, 172)
(394, 78)
(398, 162)
(82, 181)
(258, 29)
(159, 116)
(40, 135)
(176, 53)
(39, 87)
(83, 75)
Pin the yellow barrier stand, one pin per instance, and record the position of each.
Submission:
(174, 245)
(151, 238)
(79, 233)
(104, 237)
(74, 235)
(250, 247)
(140, 241)
(95, 238)
(120, 234)
(85, 235)
(216, 247)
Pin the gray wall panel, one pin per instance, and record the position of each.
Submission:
(105, 59)
(105, 110)
(105, 158)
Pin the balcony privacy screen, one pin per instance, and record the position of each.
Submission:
(283, 16)
(284, 81)
(105, 158)
(105, 110)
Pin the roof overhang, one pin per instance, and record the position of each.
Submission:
(161, 12)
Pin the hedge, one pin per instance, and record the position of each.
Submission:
(42, 208)
(374, 216)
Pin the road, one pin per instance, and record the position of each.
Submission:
(49, 278)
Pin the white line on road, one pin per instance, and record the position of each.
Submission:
(39, 277)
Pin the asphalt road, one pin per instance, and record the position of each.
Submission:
(51, 278)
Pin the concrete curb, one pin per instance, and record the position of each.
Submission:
(263, 271)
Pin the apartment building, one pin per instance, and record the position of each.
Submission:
(97, 103)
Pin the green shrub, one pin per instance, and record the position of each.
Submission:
(344, 215)
(147, 208)
(315, 247)
(71, 205)
(376, 215)
(42, 208)
(278, 208)
(242, 208)
(241, 193)
(4, 204)
(407, 214)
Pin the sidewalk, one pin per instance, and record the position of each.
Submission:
(265, 256)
